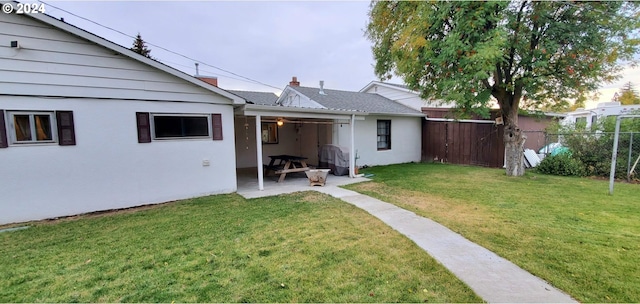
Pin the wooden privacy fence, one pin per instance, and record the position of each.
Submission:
(467, 143)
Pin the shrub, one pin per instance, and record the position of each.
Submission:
(562, 164)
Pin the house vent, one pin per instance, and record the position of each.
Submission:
(322, 88)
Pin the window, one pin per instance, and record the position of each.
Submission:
(178, 126)
(384, 134)
(37, 127)
(581, 122)
(31, 127)
(269, 133)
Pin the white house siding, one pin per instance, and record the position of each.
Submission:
(409, 99)
(55, 63)
(108, 168)
(405, 140)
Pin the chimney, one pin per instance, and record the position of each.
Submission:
(212, 80)
(294, 82)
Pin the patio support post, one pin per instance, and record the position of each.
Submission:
(259, 152)
(352, 152)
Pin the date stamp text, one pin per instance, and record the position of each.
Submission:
(24, 8)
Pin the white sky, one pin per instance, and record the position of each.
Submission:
(267, 41)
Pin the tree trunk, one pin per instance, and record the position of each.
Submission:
(513, 149)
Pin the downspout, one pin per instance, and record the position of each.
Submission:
(352, 153)
(259, 152)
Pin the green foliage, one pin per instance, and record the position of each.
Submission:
(562, 164)
(628, 95)
(538, 53)
(140, 47)
(593, 146)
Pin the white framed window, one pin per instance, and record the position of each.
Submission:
(384, 134)
(178, 126)
(28, 127)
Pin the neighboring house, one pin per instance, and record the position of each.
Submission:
(588, 117)
(402, 94)
(462, 141)
(88, 125)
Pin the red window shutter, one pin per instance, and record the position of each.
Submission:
(144, 127)
(216, 122)
(66, 131)
(3, 131)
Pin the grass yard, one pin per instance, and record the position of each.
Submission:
(304, 247)
(568, 231)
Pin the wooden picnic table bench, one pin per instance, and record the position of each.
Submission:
(291, 163)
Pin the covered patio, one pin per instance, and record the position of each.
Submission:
(267, 130)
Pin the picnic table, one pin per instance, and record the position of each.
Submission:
(286, 164)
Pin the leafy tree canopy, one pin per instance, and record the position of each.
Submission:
(628, 95)
(545, 53)
(140, 47)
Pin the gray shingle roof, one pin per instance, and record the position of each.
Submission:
(357, 101)
(259, 98)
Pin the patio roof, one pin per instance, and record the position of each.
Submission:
(297, 112)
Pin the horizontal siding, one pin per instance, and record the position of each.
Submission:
(52, 62)
(393, 94)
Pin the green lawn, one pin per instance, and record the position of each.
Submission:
(304, 247)
(568, 231)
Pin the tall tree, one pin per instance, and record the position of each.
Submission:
(628, 95)
(524, 54)
(140, 47)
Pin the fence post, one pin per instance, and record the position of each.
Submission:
(614, 154)
(630, 156)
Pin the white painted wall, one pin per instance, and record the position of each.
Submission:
(406, 134)
(292, 98)
(108, 168)
(301, 139)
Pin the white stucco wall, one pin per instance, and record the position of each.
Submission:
(108, 168)
(405, 140)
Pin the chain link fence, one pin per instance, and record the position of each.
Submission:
(594, 150)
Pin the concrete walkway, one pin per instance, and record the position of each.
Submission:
(491, 277)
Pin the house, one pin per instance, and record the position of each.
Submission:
(88, 125)
(374, 129)
(589, 117)
(474, 141)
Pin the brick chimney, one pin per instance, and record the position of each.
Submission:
(212, 80)
(294, 82)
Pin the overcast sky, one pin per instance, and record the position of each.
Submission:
(267, 41)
